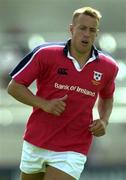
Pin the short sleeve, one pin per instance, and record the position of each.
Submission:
(28, 69)
(108, 90)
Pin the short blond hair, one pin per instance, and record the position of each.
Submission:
(87, 11)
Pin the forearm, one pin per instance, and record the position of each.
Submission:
(105, 108)
(24, 95)
(98, 126)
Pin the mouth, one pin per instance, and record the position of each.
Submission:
(84, 42)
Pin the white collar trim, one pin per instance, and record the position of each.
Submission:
(77, 65)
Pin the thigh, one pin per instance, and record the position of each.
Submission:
(56, 174)
(66, 163)
(32, 161)
(37, 176)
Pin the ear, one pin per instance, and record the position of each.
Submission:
(97, 32)
(71, 28)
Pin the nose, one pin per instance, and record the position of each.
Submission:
(87, 32)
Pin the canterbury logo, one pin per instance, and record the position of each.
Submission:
(62, 71)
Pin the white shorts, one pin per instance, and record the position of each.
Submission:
(35, 159)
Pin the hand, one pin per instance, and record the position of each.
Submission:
(98, 127)
(55, 106)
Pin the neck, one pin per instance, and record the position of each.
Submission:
(82, 58)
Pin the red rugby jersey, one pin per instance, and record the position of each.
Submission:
(56, 75)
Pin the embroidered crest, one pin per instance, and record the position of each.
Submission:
(97, 76)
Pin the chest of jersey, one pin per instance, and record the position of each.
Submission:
(63, 76)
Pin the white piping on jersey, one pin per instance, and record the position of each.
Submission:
(33, 57)
(77, 65)
(108, 56)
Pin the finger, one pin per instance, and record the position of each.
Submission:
(100, 133)
(58, 110)
(99, 130)
(94, 123)
(61, 104)
(56, 113)
(64, 98)
(95, 127)
(60, 107)
(99, 127)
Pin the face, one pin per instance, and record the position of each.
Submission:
(83, 31)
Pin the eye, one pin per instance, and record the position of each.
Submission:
(93, 30)
(82, 28)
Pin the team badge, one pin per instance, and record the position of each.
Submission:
(97, 78)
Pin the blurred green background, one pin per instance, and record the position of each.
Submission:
(27, 23)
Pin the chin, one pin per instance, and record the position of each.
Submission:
(84, 50)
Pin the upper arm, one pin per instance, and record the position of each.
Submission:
(13, 85)
(109, 88)
(29, 69)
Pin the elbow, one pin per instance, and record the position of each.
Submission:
(11, 88)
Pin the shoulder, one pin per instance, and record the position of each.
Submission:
(49, 47)
(107, 60)
(46, 53)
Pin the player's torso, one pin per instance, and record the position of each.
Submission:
(61, 77)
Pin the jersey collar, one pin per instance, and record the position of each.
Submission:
(94, 54)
